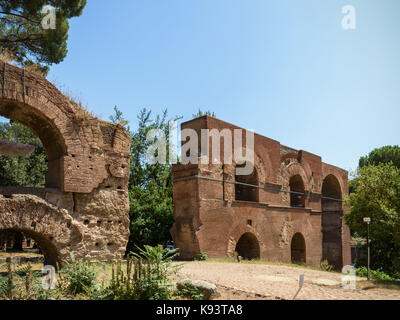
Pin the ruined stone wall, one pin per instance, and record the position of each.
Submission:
(209, 219)
(84, 207)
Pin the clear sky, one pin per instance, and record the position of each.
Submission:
(284, 68)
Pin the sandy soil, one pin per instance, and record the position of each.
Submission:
(239, 281)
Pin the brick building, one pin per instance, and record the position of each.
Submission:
(289, 209)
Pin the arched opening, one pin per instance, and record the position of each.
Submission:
(243, 188)
(23, 159)
(24, 242)
(45, 130)
(297, 197)
(22, 173)
(332, 212)
(248, 247)
(298, 249)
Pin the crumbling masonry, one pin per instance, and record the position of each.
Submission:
(289, 209)
(84, 207)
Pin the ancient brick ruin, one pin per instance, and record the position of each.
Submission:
(84, 207)
(289, 209)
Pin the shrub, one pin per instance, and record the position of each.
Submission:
(147, 276)
(375, 274)
(325, 266)
(78, 276)
(201, 257)
(190, 292)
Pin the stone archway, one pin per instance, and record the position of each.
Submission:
(84, 207)
(248, 246)
(298, 249)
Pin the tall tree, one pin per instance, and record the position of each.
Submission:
(25, 32)
(377, 195)
(382, 155)
(150, 186)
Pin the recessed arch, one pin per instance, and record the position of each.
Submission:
(297, 191)
(53, 229)
(45, 244)
(244, 190)
(298, 249)
(332, 212)
(248, 246)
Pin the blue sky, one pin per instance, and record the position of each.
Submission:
(284, 68)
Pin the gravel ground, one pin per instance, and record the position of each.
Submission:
(274, 282)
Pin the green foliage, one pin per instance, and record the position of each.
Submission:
(117, 117)
(147, 276)
(382, 155)
(374, 274)
(22, 171)
(325, 266)
(150, 186)
(22, 34)
(377, 194)
(201, 257)
(189, 291)
(80, 276)
(20, 283)
(201, 113)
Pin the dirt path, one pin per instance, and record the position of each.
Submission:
(281, 282)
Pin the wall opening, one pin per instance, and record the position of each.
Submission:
(52, 141)
(245, 192)
(248, 247)
(18, 167)
(332, 212)
(296, 185)
(298, 249)
(22, 242)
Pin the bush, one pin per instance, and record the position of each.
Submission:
(201, 257)
(375, 274)
(147, 276)
(325, 266)
(78, 276)
(190, 292)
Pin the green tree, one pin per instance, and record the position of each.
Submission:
(150, 186)
(377, 195)
(22, 33)
(382, 155)
(22, 171)
(117, 117)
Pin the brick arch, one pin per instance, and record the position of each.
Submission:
(80, 147)
(298, 248)
(237, 232)
(286, 172)
(52, 228)
(34, 102)
(259, 166)
(337, 179)
(84, 207)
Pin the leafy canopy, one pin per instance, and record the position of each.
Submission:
(377, 195)
(22, 34)
(382, 155)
